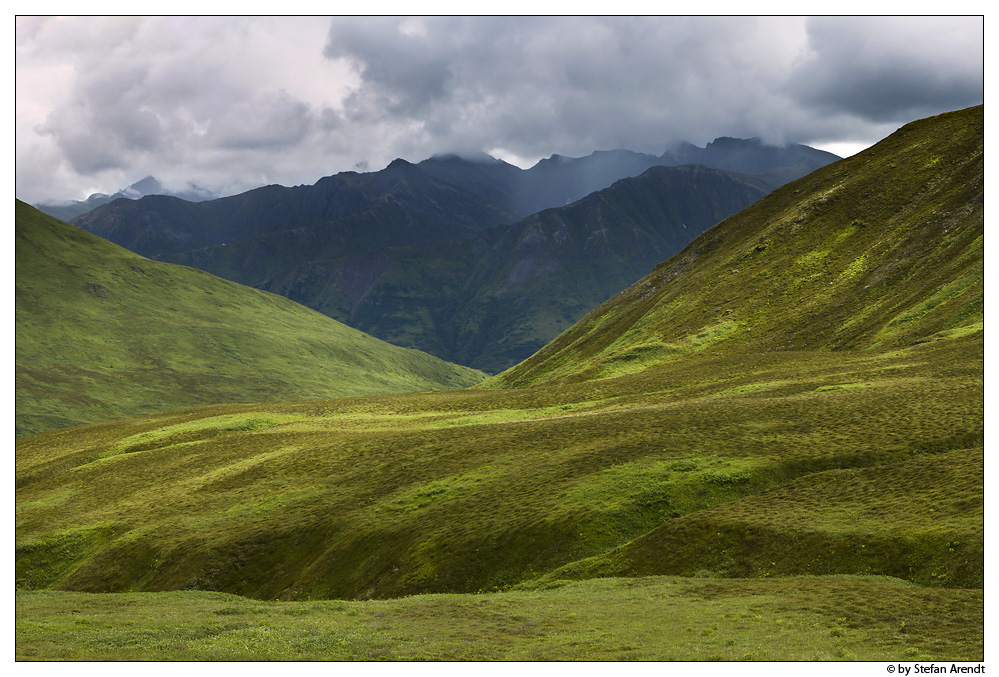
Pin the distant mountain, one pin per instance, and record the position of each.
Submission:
(560, 180)
(751, 156)
(69, 209)
(318, 243)
(493, 300)
(248, 237)
(102, 333)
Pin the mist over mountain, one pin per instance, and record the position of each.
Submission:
(559, 180)
(67, 210)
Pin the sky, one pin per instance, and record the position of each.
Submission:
(233, 103)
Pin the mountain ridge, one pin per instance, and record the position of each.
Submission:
(533, 278)
(478, 195)
(311, 243)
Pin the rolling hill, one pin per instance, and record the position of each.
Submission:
(103, 333)
(779, 429)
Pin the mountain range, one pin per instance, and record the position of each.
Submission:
(435, 255)
(493, 300)
(65, 210)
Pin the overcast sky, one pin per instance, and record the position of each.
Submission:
(230, 103)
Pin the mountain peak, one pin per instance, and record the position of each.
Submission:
(476, 157)
(734, 142)
(147, 186)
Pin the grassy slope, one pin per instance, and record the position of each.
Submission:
(103, 333)
(731, 462)
(476, 490)
(873, 252)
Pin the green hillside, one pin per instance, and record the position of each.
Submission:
(874, 252)
(102, 333)
(800, 476)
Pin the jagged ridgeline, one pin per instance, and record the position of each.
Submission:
(799, 392)
(102, 333)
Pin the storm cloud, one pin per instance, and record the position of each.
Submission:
(231, 103)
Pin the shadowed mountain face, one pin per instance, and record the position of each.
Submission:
(798, 392)
(493, 300)
(334, 246)
(103, 333)
(249, 236)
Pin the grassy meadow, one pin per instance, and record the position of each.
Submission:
(811, 465)
(635, 619)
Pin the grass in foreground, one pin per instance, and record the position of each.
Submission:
(656, 618)
(467, 491)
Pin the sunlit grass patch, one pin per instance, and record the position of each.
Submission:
(416, 497)
(750, 388)
(672, 487)
(213, 425)
(841, 386)
(515, 415)
(624, 359)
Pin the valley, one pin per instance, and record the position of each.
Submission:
(441, 254)
(770, 447)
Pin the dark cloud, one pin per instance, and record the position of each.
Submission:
(231, 103)
(884, 69)
(274, 120)
(535, 85)
(404, 72)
